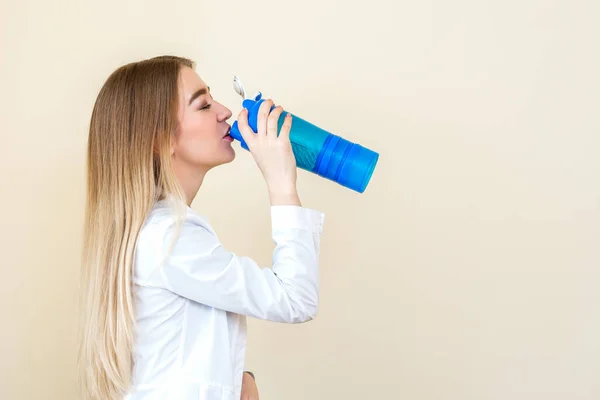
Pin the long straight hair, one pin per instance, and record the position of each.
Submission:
(128, 170)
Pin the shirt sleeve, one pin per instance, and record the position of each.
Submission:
(201, 269)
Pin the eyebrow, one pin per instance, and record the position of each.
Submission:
(198, 93)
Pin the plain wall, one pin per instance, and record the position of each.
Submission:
(469, 269)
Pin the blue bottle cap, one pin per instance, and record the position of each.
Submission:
(237, 135)
(251, 105)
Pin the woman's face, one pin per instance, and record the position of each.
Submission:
(201, 142)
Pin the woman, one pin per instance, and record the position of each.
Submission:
(164, 303)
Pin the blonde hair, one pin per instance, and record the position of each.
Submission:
(128, 170)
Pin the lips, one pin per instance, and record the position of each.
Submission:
(227, 136)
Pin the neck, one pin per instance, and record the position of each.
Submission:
(190, 179)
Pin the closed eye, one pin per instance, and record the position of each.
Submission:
(206, 107)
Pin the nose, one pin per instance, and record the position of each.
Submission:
(224, 113)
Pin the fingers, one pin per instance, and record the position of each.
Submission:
(273, 122)
(263, 115)
(267, 123)
(286, 127)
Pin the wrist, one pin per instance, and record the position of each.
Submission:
(282, 197)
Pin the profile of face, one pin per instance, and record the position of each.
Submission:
(202, 139)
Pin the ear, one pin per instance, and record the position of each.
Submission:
(172, 145)
(173, 141)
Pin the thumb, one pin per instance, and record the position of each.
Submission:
(245, 129)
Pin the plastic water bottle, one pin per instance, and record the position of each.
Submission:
(316, 150)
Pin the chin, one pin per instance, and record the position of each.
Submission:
(229, 157)
(225, 157)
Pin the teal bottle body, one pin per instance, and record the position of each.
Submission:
(319, 151)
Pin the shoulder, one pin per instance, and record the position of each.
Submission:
(164, 217)
(165, 226)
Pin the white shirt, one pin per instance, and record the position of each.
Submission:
(191, 312)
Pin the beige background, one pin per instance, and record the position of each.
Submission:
(470, 267)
